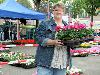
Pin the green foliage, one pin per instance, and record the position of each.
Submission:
(11, 56)
(91, 5)
(37, 1)
(72, 34)
(25, 3)
(1, 1)
(67, 35)
(76, 8)
(85, 32)
(54, 1)
(37, 4)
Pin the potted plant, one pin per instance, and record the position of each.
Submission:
(72, 35)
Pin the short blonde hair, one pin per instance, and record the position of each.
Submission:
(59, 4)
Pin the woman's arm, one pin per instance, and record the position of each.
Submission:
(42, 39)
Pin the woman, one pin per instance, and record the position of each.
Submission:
(51, 56)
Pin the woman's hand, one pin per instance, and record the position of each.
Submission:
(58, 43)
(54, 42)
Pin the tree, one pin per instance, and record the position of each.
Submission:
(90, 7)
(1, 1)
(25, 3)
(76, 8)
(37, 4)
(55, 1)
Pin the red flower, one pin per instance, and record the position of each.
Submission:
(28, 41)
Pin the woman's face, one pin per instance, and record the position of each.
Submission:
(58, 12)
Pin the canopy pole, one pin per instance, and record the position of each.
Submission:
(18, 30)
(9, 29)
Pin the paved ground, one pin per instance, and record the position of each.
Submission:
(90, 65)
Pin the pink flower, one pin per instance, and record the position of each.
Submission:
(76, 26)
(58, 28)
(91, 24)
(71, 26)
(82, 26)
(65, 27)
(11, 53)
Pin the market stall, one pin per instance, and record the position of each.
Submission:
(13, 10)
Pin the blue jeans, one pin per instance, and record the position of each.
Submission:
(50, 71)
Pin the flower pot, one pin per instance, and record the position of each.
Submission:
(91, 38)
(16, 64)
(68, 42)
(85, 40)
(81, 41)
(71, 42)
(25, 66)
(3, 60)
(77, 42)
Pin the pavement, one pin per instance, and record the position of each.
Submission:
(90, 65)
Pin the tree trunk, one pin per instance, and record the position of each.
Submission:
(92, 13)
(37, 23)
(91, 18)
(37, 7)
(91, 24)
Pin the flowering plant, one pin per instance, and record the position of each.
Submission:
(73, 32)
(24, 41)
(74, 71)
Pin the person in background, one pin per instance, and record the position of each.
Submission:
(51, 55)
(1, 33)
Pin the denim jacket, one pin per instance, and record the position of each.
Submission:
(45, 31)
